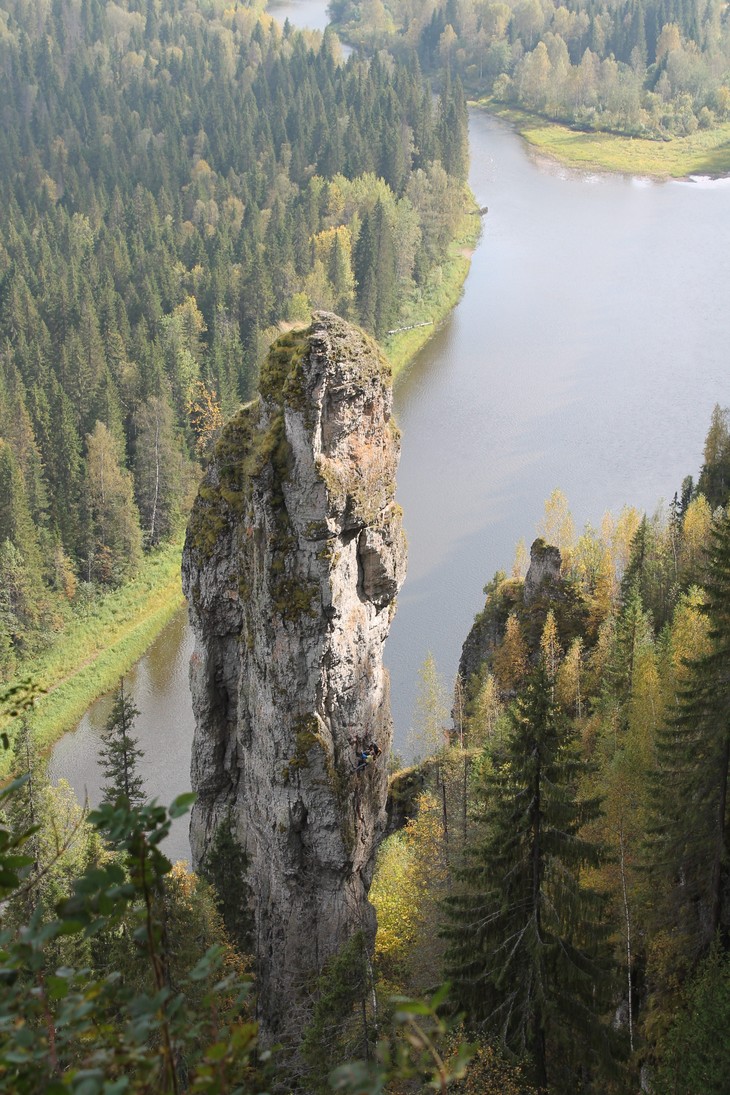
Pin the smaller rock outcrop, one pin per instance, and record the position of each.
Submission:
(542, 580)
(544, 589)
(503, 595)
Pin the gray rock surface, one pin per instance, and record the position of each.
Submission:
(543, 573)
(293, 559)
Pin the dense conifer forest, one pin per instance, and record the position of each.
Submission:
(640, 67)
(177, 181)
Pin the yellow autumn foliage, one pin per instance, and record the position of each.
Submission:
(489, 1073)
(509, 663)
(410, 879)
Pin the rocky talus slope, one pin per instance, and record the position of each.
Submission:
(293, 559)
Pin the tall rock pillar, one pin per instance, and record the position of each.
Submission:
(293, 559)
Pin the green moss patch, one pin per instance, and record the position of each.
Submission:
(282, 375)
(306, 737)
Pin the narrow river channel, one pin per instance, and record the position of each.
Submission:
(587, 352)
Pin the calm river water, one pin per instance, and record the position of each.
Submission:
(305, 14)
(587, 352)
(158, 685)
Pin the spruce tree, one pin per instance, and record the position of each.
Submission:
(119, 754)
(632, 634)
(375, 272)
(342, 1026)
(694, 1053)
(366, 251)
(527, 954)
(16, 523)
(691, 831)
(224, 867)
(386, 311)
(714, 480)
(25, 812)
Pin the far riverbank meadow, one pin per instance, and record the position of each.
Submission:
(705, 152)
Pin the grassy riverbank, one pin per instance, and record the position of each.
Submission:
(706, 152)
(98, 647)
(438, 297)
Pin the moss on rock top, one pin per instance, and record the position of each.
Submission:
(255, 440)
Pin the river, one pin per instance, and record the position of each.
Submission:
(587, 352)
(305, 14)
(158, 686)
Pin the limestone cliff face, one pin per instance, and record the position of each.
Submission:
(294, 556)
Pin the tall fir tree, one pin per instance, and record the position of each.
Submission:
(21, 580)
(16, 522)
(119, 753)
(224, 867)
(527, 953)
(375, 271)
(690, 839)
(714, 481)
(453, 128)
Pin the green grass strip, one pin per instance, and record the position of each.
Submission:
(438, 296)
(706, 152)
(96, 649)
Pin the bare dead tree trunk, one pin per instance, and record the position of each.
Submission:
(627, 917)
(446, 819)
(373, 994)
(464, 810)
(365, 1038)
(459, 704)
(153, 521)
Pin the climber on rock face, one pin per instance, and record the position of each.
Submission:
(363, 759)
(367, 756)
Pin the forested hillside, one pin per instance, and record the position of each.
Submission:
(176, 181)
(641, 67)
(568, 844)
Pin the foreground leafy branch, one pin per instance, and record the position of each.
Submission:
(81, 1029)
(411, 1051)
